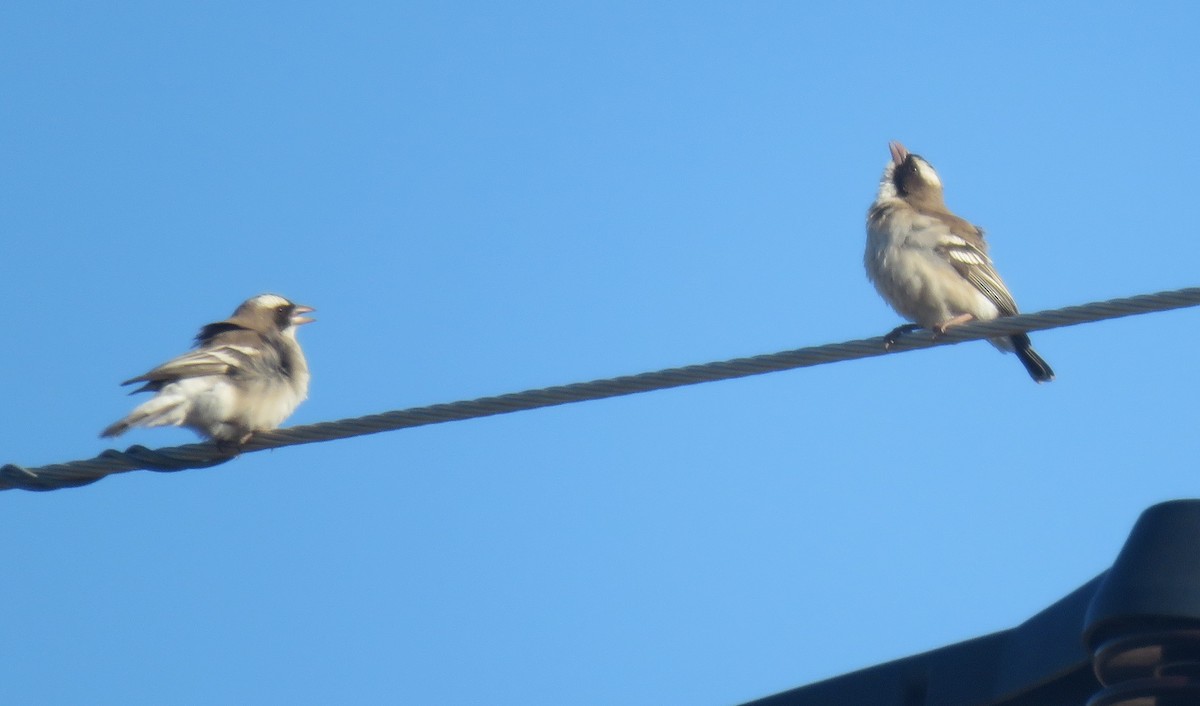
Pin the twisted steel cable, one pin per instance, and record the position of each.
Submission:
(204, 455)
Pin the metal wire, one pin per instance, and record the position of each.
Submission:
(178, 458)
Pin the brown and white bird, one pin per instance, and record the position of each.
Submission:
(932, 266)
(247, 374)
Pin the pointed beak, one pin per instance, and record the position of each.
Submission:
(898, 152)
(298, 317)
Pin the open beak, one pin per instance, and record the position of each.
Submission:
(898, 152)
(298, 317)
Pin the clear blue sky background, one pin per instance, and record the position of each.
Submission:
(481, 199)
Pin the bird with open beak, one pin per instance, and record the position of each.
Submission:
(247, 374)
(932, 266)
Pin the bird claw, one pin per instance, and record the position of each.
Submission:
(940, 329)
(894, 335)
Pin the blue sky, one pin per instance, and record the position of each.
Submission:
(480, 199)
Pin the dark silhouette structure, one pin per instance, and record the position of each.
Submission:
(1129, 637)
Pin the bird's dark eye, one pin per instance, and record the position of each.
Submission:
(283, 316)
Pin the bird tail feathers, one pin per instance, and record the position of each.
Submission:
(1038, 369)
(156, 412)
(115, 429)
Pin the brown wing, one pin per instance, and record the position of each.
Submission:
(224, 353)
(963, 247)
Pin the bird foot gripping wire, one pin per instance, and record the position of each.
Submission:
(938, 331)
(894, 335)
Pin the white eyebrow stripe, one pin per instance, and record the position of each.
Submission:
(270, 301)
(928, 173)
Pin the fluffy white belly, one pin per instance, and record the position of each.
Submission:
(924, 288)
(225, 411)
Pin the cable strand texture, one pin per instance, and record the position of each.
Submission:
(204, 455)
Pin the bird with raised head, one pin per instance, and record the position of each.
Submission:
(932, 266)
